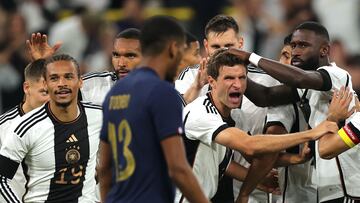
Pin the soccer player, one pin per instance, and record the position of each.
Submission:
(141, 152)
(343, 145)
(191, 55)
(57, 142)
(126, 55)
(221, 31)
(311, 71)
(284, 119)
(210, 135)
(35, 96)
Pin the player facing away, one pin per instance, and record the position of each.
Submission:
(57, 142)
(141, 150)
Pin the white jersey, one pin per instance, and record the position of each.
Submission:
(253, 124)
(297, 182)
(186, 79)
(96, 86)
(329, 185)
(348, 162)
(59, 158)
(18, 182)
(209, 160)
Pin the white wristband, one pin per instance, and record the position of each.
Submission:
(254, 59)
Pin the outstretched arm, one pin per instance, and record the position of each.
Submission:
(264, 96)
(38, 47)
(290, 75)
(237, 139)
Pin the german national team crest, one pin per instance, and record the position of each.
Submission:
(72, 156)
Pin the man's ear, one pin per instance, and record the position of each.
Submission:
(172, 47)
(324, 50)
(206, 45)
(212, 82)
(241, 42)
(26, 87)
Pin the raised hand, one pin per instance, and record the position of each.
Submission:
(201, 77)
(270, 183)
(338, 109)
(38, 46)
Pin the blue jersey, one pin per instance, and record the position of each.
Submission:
(140, 111)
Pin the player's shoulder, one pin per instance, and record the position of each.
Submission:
(202, 106)
(96, 75)
(33, 118)
(90, 105)
(334, 70)
(10, 115)
(188, 71)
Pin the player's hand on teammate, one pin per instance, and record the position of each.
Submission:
(243, 55)
(38, 46)
(338, 109)
(324, 128)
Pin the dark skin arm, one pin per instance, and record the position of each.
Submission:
(104, 171)
(290, 75)
(264, 96)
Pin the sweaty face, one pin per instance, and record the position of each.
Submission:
(229, 87)
(126, 56)
(285, 55)
(63, 83)
(36, 93)
(227, 39)
(305, 45)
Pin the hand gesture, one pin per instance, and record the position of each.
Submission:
(338, 109)
(38, 46)
(202, 76)
(304, 155)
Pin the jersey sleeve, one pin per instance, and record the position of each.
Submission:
(166, 110)
(203, 126)
(281, 115)
(12, 152)
(334, 77)
(185, 79)
(350, 133)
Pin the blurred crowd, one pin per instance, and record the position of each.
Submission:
(86, 29)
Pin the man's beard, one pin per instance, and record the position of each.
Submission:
(310, 64)
(63, 105)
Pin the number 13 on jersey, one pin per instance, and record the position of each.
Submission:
(120, 140)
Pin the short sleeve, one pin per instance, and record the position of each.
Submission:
(203, 126)
(12, 152)
(104, 127)
(185, 79)
(166, 110)
(284, 114)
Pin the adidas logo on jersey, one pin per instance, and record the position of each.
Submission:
(72, 138)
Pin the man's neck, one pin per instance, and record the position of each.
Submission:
(64, 114)
(156, 63)
(26, 107)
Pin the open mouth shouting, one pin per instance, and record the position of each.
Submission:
(235, 98)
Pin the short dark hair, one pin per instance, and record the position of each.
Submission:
(222, 57)
(190, 38)
(315, 27)
(129, 33)
(287, 39)
(35, 70)
(220, 24)
(157, 31)
(62, 57)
